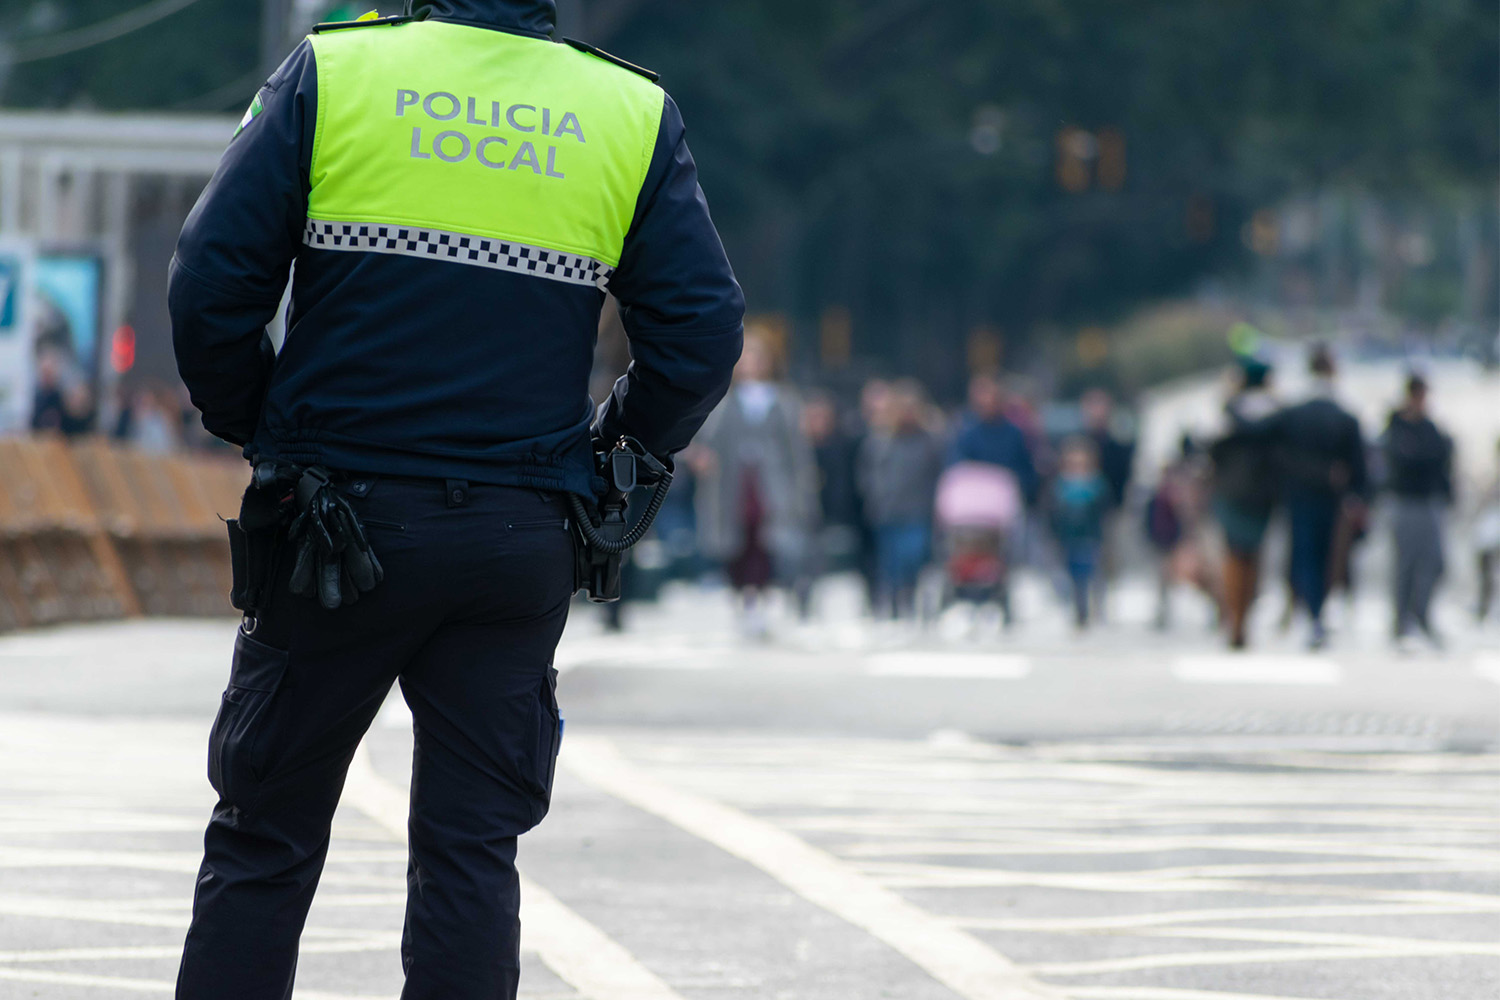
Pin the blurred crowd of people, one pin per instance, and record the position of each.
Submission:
(785, 487)
(933, 507)
(156, 418)
(1311, 460)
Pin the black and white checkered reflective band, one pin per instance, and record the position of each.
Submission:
(458, 248)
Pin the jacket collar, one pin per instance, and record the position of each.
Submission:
(522, 17)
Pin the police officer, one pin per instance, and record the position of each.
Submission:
(458, 192)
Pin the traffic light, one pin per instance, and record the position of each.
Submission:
(122, 349)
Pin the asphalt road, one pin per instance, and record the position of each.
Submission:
(847, 811)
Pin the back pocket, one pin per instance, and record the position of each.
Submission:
(234, 766)
(553, 522)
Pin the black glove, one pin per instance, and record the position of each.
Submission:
(334, 560)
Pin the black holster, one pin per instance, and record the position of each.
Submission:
(606, 534)
(598, 570)
(256, 541)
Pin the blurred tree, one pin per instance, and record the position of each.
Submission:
(935, 166)
(190, 54)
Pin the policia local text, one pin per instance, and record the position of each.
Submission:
(492, 151)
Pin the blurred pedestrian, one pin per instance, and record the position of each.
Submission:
(874, 400)
(1321, 455)
(835, 452)
(1198, 561)
(1116, 464)
(757, 483)
(986, 433)
(1116, 453)
(1486, 536)
(1419, 476)
(1164, 532)
(1076, 506)
(124, 425)
(1176, 527)
(899, 464)
(79, 410)
(155, 424)
(1001, 428)
(1244, 491)
(48, 406)
(62, 399)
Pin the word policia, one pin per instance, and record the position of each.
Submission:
(492, 151)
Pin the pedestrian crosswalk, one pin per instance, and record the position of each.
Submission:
(941, 663)
(1253, 668)
(1487, 665)
(947, 953)
(915, 654)
(1082, 865)
(100, 837)
(1250, 841)
(1048, 872)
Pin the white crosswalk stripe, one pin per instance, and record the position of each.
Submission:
(1250, 668)
(951, 956)
(578, 951)
(1254, 839)
(1037, 822)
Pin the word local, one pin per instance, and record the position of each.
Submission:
(492, 151)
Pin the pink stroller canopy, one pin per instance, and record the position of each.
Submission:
(978, 495)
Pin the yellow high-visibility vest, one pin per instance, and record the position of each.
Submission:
(477, 147)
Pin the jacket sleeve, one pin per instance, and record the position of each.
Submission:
(237, 246)
(1359, 470)
(958, 449)
(682, 310)
(804, 465)
(1026, 477)
(1449, 494)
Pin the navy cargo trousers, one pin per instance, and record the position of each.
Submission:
(477, 585)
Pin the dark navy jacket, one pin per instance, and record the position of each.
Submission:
(997, 442)
(1320, 450)
(416, 367)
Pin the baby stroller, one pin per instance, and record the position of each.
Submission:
(978, 507)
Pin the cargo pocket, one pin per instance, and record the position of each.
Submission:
(548, 742)
(234, 768)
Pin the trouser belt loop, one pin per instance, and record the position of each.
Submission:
(458, 492)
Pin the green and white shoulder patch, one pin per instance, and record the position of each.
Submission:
(251, 113)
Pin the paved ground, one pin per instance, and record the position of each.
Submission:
(846, 812)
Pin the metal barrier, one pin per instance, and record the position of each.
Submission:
(91, 531)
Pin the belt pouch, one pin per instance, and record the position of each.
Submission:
(253, 564)
(239, 565)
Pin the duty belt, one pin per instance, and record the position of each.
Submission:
(333, 560)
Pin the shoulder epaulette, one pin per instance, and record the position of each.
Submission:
(649, 74)
(318, 29)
